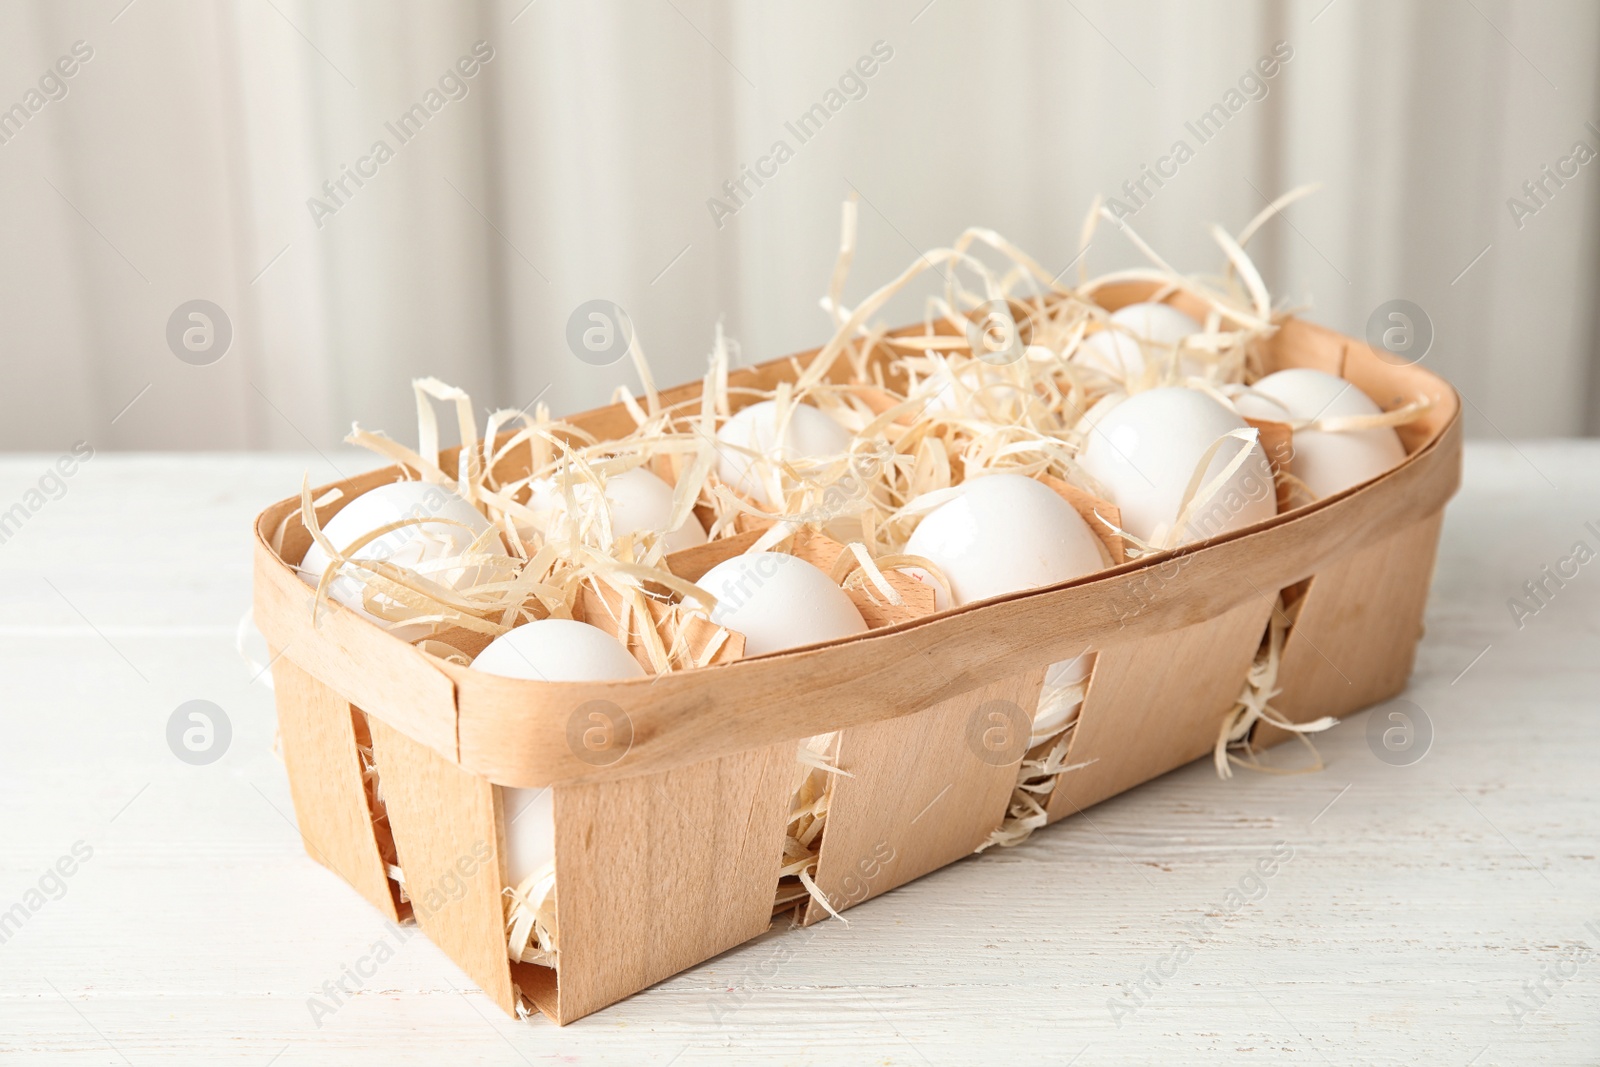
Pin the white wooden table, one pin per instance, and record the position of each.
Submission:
(1420, 902)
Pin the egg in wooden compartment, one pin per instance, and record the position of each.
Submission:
(627, 623)
(1119, 348)
(1327, 460)
(436, 534)
(548, 650)
(778, 601)
(1061, 696)
(636, 500)
(817, 590)
(755, 440)
(1003, 533)
(1147, 453)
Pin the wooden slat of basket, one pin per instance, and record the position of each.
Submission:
(659, 872)
(1356, 635)
(1155, 704)
(446, 834)
(330, 799)
(920, 796)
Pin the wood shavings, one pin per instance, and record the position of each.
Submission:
(1041, 770)
(1233, 745)
(531, 931)
(808, 814)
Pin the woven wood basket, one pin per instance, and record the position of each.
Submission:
(669, 855)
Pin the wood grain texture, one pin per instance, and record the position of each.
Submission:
(924, 790)
(1156, 703)
(330, 798)
(1355, 637)
(446, 832)
(660, 872)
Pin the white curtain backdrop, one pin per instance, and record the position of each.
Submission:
(578, 159)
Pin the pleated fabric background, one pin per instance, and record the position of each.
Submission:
(580, 163)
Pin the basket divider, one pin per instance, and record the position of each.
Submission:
(925, 790)
(1157, 703)
(1354, 640)
(446, 833)
(659, 872)
(317, 731)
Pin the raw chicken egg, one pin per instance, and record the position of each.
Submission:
(638, 499)
(1329, 462)
(809, 434)
(1143, 452)
(1057, 706)
(550, 650)
(558, 650)
(779, 601)
(413, 547)
(1253, 405)
(1005, 533)
(1001, 534)
(1114, 352)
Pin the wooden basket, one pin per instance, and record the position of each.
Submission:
(670, 855)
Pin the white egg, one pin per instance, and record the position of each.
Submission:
(1004, 533)
(779, 601)
(415, 546)
(1253, 405)
(638, 499)
(545, 501)
(1114, 352)
(1144, 452)
(1329, 462)
(809, 434)
(551, 650)
(558, 650)
(1057, 706)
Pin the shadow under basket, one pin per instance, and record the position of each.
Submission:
(671, 854)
